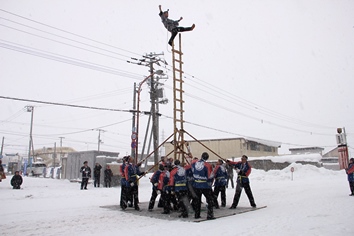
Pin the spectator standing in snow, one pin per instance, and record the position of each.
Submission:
(230, 176)
(172, 25)
(86, 174)
(16, 180)
(108, 176)
(243, 170)
(97, 175)
(2, 172)
(350, 173)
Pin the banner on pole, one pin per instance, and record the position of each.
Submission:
(343, 157)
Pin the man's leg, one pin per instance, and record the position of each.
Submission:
(123, 197)
(237, 195)
(152, 199)
(223, 196)
(196, 202)
(249, 194)
(208, 193)
(216, 194)
(174, 32)
(351, 184)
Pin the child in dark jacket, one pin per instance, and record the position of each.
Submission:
(16, 180)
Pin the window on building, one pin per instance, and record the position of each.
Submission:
(268, 149)
(254, 146)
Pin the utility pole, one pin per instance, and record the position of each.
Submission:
(149, 60)
(2, 147)
(54, 156)
(132, 154)
(99, 139)
(61, 150)
(30, 109)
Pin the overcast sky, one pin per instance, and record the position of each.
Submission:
(275, 70)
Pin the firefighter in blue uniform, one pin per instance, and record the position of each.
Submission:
(202, 185)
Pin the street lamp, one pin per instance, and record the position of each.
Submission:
(158, 72)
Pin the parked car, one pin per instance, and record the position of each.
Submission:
(37, 168)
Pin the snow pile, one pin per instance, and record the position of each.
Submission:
(315, 202)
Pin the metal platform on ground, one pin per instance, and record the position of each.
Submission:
(157, 212)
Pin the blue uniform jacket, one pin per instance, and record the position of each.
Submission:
(245, 170)
(220, 175)
(178, 179)
(202, 174)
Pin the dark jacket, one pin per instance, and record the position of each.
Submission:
(97, 171)
(16, 181)
(168, 23)
(108, 175)
(86, 172)
(350, 172)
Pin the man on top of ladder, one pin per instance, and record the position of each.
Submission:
(172, 25)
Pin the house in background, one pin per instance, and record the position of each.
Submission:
(231, 148)
(306, 150)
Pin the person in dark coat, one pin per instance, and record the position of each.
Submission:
(243, 170)
(2, 172)
(172, 25)
(108, 176)
(97, 175)
(230, 176)
(16, 180)
(86, 174)
(350, 173)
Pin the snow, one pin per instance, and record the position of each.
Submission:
(315, 202)
(314, 157)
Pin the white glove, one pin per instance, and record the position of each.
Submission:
(237, 170)
(155, 184)
(132, 184)
(158, 192)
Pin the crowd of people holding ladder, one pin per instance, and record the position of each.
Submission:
(182, 185)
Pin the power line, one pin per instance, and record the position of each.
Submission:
(77, 35)
(67, 60)
(67, 105)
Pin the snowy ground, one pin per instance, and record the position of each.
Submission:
(316, 202)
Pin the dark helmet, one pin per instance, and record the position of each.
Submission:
(205, 156)
(177, 162)
(352, 159)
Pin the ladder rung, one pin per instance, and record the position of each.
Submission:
(180, 90)
(181, 62)
(179, 80)
(179, 100)
(177, 51)
(180, 71)
(180, 110)
(179, 120)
